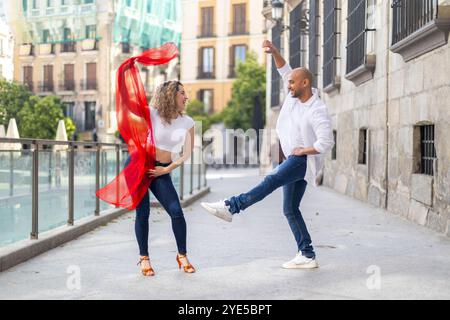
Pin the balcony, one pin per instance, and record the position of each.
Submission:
(44, 87)
(89, 45)
(206, 31)
(205, 74)
(26, 50)
(419, 28)
(46, 49)
(90, 85)
(68, 47)
(239, 28)
(67, 85)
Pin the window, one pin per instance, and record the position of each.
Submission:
(206, 63)
(49, 3)
(69, 78)
(418, 27)
(34, 4)
(237, 53)
(91, 76)
(65, 2)
(125, 47)
(1, 71)
(25, 5)
(45, 36)
(171, 10)
(149, 6)
(360, 64)
(207, 26)
(2, 49)
(28, 77)
(239, 19)
(91, 32)
(296, 31)
(275, 81)
(47, 85)
(89, 116)
(333, 151)
(331, 45)
(68, 44)
(410, 16)
(362, 155)
(314, 19)
(207, 97)
(88, 1)
(69, 109)
(427, 150)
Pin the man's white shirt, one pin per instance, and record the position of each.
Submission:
(303, 125)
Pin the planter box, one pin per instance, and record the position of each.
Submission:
(45, 49)
(25, 50)
(89, 44)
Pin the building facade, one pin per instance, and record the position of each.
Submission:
(382, 67)
(72, 49)
(216, 36)
(6, 48)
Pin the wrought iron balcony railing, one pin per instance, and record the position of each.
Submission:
(410, 16)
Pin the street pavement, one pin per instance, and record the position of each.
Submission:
(364, 252)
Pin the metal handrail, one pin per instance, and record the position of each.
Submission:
(36, 147)
(55, 142)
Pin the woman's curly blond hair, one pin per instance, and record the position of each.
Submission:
(164, 100)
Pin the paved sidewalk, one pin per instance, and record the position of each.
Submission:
(354, 243)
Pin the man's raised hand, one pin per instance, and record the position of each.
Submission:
(269, 47)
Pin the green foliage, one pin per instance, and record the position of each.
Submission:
(196, 110)
(70, 127)
(40, 116)
(250, 82)
(13, 97)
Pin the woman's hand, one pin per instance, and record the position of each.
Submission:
(158, 171)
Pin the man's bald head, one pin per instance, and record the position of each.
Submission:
(300, 82)
(303, 74)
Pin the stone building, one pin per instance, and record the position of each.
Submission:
(383, 68)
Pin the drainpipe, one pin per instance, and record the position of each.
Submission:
(388, 8)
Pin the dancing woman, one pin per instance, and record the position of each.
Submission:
(153, 135)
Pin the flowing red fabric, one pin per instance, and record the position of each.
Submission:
(134, 123)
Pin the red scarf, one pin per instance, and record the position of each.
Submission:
(133, 120)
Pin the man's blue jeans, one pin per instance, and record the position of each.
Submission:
(290, 174)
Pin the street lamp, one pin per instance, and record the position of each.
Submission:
(277, 10)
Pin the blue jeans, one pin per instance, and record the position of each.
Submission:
(290, 174)
(164, 191)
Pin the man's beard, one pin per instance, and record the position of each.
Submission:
(296, 94)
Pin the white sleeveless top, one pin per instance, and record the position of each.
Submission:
(170, 137)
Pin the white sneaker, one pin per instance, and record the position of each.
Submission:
(219, 209)
(301, 262)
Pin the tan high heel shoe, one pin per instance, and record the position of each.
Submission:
(189, 268)
(148, 272)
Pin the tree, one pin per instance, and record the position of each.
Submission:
(196, 109)
(13, 97)
(39, 118)
(250, 82)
